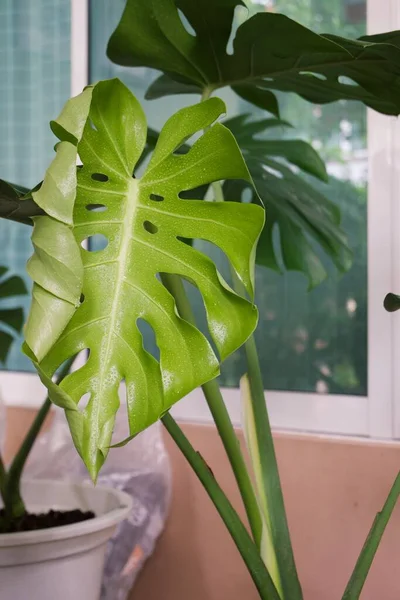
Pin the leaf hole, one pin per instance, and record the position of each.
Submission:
(156, 197)
(186, 23)
(187, 241)
(95, 242)
(240, 14)
(82, 298)
(186, 143)
(99, 177)
(313, 74)
(79, 360)
(217, 255)
(150, 227)
(84, 401)
(121, 429)
(197, 193)
(197, 303)
(149, 341)
(347, 81)
(96, 207)
(92, 125)
(247, 195)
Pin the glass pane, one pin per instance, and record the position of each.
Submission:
(308, 341)
(34, 84)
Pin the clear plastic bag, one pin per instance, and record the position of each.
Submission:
(141, 468)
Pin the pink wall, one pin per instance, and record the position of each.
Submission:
(333, 490)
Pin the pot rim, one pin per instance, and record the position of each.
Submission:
(64, 532)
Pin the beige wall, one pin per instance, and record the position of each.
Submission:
(333, 490)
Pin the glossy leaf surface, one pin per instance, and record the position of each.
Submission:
(142, 222)
(270, 52)
(302, 214)
(56, 266)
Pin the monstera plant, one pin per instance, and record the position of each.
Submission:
(142, 220)
(113, 243)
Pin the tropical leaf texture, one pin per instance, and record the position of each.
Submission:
(11, 318)
(143, 221)
(56, 266)
(270, 52)
(302, 214)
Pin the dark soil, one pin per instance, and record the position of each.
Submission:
(32, 522)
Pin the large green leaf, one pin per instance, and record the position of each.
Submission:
(56, 266)
(302, 214)
(270, 52)
(12, 318)
(143, 221)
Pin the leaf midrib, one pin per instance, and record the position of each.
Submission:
(131, 195)
(294, 70)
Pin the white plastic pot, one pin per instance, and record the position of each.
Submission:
(61, 563)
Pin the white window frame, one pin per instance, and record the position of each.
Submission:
(376, 415)
(25, 389)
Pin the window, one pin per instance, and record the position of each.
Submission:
(34, 82)
(327, 356)
(308, 342)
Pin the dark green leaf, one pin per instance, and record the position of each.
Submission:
(166, 86)
(392, 302)
(262, 98)
(293, 206)
(5, 344)
(270, 52)
(392, 37)
(14, 206)
(364, 562)
(296, 152)
(13, 286)
(244, 128)
(13, 317)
